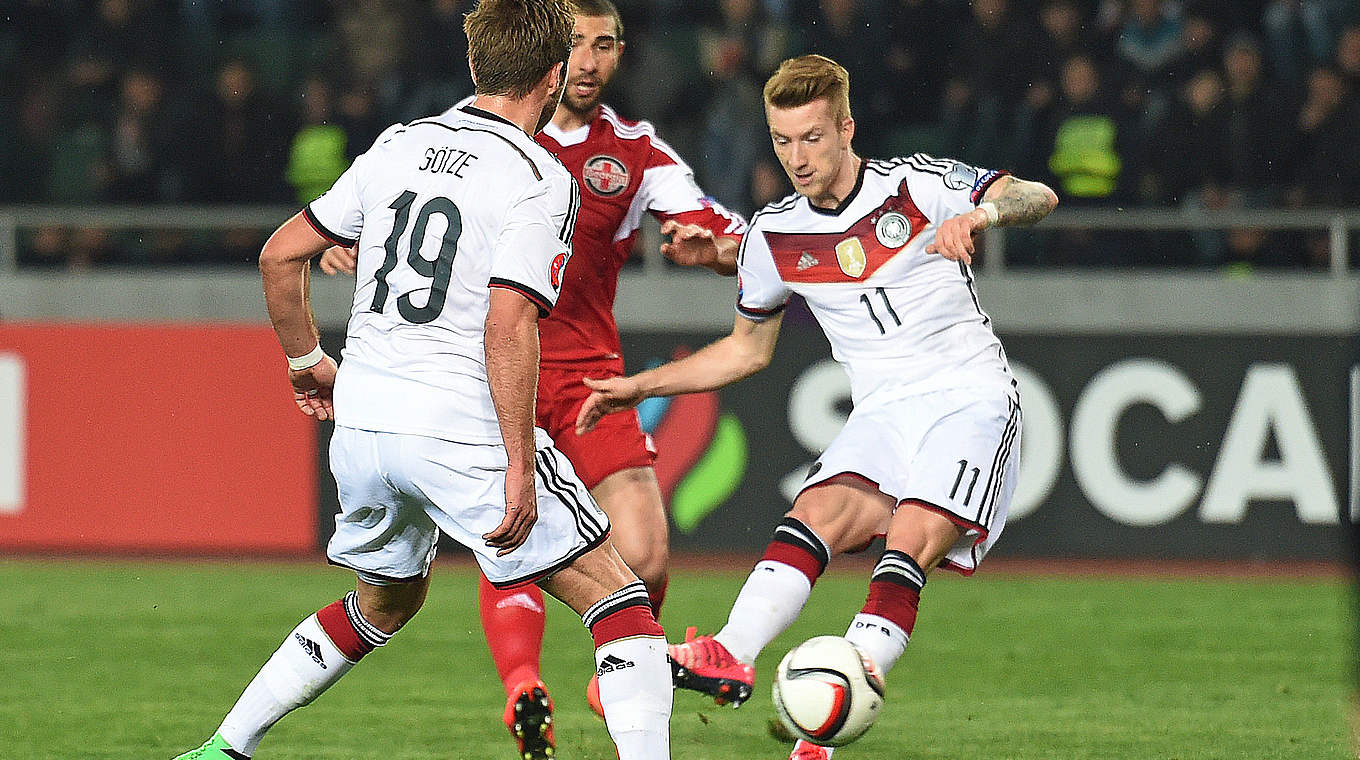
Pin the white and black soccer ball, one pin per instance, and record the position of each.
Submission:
(827, 691)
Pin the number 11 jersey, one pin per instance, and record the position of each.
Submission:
(441, 209)
(898, 319)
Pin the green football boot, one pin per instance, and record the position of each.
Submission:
(215, 748)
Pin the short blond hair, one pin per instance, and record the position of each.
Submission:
(801, 80)
(513, 44)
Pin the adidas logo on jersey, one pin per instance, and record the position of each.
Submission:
(611, 664)
(806, 261)
(312, 649)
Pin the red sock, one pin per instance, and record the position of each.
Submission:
(798, 546)
(657, 596)
(343, 634)
(623, 614)
(895, 590)
(513, 622)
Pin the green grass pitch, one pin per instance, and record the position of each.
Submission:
(140, 659)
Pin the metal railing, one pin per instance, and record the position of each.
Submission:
(1339, 223)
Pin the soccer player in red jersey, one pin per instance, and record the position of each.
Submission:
(624, 170)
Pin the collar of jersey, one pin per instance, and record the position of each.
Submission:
(843, 205)
(567, 139)
(485, 114)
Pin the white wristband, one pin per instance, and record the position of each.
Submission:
(307, 360)
(993, 216)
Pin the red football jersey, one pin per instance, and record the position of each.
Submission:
(623, 170)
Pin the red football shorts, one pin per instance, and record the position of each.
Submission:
(617, 442)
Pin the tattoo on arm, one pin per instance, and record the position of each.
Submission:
(1019, 201)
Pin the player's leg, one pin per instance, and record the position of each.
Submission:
(513, 622)
(841, 514)
(956, 516)
(641, 534)
(314, 655)
(630, 649)
(389, 541)
(955, 493)
(918, 539)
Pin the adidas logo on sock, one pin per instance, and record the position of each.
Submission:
(312, 649)
(612, 663)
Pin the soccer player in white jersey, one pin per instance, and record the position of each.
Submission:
(881, 252)
(462, 224)
(623, 169)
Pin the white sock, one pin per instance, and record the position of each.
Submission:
(768, 604)
(884, 640)
(635, 691)
(306, 664)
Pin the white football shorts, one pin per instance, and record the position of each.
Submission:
(398, 491)
(955, 450)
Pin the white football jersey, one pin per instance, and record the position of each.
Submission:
(442, 209)
(896, 316)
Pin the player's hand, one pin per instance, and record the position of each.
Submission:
(313, 388)
(690, 245)
(954, 237)
(521, 511)
(610, 394)
(339, 260)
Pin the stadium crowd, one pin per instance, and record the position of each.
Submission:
(1197, 104)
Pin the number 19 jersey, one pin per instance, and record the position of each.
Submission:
(441, 210)
(896, 316)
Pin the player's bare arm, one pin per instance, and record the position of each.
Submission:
(725, 361)
(693, 245)
(1009, 201)
(511, 346)
(284, 272)
(339, 260)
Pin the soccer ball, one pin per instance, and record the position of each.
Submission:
(827, 691)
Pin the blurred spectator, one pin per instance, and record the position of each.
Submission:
(1152, 40)
(912, 65)
(1249, 249)
(849, 32)
(77, 166)
(145, 143)
(742, 36)
(1192, 155)
(240, 138)
(1324, 163)
(374, 36)
(318, 154)
(1257, 118)
(74, 249)
(1299, 34)
(433, 83)
(1200, 46)
(992, 64)
(736, 55)
(1085, 141)
(1191, 166)
(1348, 56)
(1060, 36)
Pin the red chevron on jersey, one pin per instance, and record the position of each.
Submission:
(855, 254)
